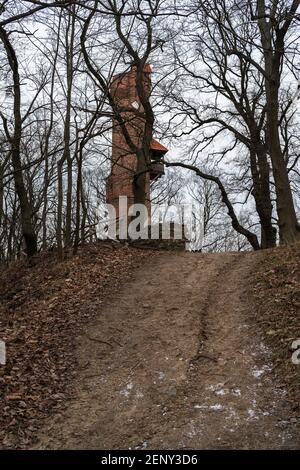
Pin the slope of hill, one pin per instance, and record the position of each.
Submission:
(42, 310)
(276, 287)
(120, 347)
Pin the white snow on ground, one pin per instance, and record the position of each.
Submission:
(217, 407)
(127, 390)
(161, 375)
(256, 372)
(252, 414)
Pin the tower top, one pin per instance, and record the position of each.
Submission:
(147, 69)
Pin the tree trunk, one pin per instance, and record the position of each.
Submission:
(260, 172)
(78, 197)
(59, 210)
(66, 153)
(47, 142)
(139, 182)
(272, 42)
(15, 141)
(287, 219)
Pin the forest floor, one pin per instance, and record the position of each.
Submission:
(176, 357)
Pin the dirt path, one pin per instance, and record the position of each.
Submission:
(171, 362)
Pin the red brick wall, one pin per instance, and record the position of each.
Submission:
(119, 182)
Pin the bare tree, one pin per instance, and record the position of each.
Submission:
(15, 142)
(274, 21)
(137, 48)
(250, 236)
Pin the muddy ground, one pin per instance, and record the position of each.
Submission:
(173, 360)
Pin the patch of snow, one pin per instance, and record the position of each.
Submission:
(265, 349)
(127, 390)
(201, 407)
(236, 392)
(252, 414)
(218, 389)
(280, 392)
(217, 407)
(215, 387)
(257, 373)
(192, 432)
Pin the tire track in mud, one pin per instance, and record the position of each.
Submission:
(172, 363)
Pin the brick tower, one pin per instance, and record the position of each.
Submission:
(120, 181)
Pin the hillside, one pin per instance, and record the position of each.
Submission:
(120, 347)
(277, 295)
(43, 309)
